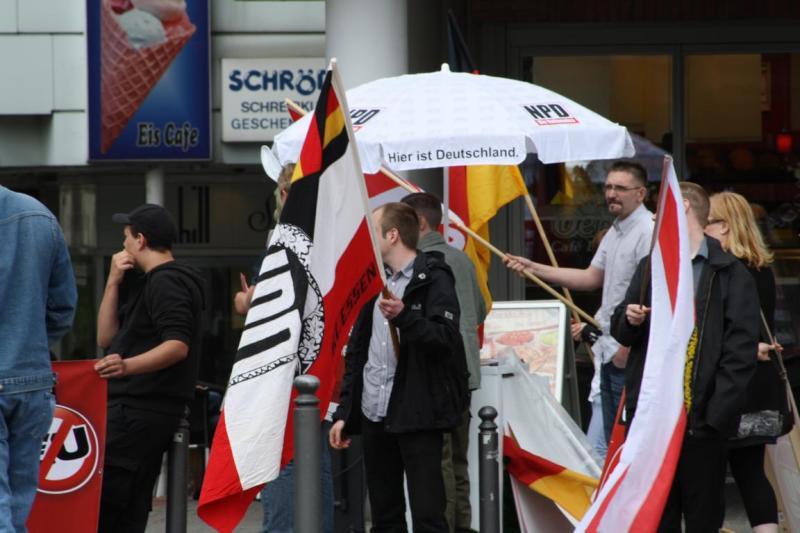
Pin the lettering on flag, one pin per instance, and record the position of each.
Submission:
(320, 268)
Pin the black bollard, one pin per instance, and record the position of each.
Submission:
(307, 458)
(489, 471)
(177, 472)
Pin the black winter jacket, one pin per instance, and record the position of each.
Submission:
(727, 318)
(430, 388)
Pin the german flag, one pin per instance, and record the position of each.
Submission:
(321, 267)
(570, 490)
(476, 194)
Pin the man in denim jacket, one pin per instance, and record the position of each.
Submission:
(38, 295)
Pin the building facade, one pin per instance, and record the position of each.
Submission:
(715, 83)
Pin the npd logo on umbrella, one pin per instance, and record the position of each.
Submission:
(70, 452)
(550, 114)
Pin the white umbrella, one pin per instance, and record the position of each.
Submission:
(442, 119)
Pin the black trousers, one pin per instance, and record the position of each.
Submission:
(386, 457)
(747, 467)
(136, 439)
(697, 490)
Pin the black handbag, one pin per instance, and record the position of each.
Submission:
(778, 418)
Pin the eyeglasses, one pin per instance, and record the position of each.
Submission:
(714, 221)
(619, 188)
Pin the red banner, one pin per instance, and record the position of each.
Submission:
(71, 473)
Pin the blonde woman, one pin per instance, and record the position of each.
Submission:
(732, 223)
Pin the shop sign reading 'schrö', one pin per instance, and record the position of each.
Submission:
(254, 93)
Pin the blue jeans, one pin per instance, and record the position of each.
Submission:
(25, 419)
(612, 381)
(596, 433)
(277, 497)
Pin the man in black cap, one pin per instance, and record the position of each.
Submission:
(149, 324)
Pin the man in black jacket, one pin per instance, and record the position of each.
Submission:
(402, 403)
(150, 327)
(717, 374)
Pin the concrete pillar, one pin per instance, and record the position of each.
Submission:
(154, 186)
(369, 38)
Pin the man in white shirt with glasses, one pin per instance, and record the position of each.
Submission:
(623, 246)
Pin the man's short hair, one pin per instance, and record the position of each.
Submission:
(403, 218)
(154, 222)
(633, 168)
(698, 199)
(427, 206)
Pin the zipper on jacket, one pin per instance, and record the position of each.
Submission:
(700, 347)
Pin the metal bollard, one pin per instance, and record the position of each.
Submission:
(177, 471)
(307, 458)
(489, 475)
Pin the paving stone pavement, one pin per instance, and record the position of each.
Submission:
(735, 517)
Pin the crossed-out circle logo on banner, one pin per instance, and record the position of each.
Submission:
(69, 455)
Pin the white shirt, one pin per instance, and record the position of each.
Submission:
(620, 251)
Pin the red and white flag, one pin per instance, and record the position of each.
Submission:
(321, 267)
(633, 497)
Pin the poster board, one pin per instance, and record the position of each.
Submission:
(534, 331)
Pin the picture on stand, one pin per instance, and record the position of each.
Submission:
(534, 331)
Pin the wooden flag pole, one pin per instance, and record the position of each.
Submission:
(574, 308)
(402, 183)
(659, 212)
(295, 106)
(549, 249)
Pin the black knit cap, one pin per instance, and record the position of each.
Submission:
(153, 221)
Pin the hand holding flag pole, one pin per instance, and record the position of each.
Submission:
(549, 249)
(575, 309)
(386, 293)
(327, 212)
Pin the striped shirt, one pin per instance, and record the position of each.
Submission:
(381, 359)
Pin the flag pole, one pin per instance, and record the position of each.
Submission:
(659, 216)
(339, 89)
(549, 249)
(402, 183)
(296, 107)
(446, 200)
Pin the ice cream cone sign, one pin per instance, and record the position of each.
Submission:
(139, 44)
(132, 45)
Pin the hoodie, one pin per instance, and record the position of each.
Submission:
(164, 304)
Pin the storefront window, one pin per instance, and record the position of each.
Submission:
(741, 124)
(633, 90)
(742, 114)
